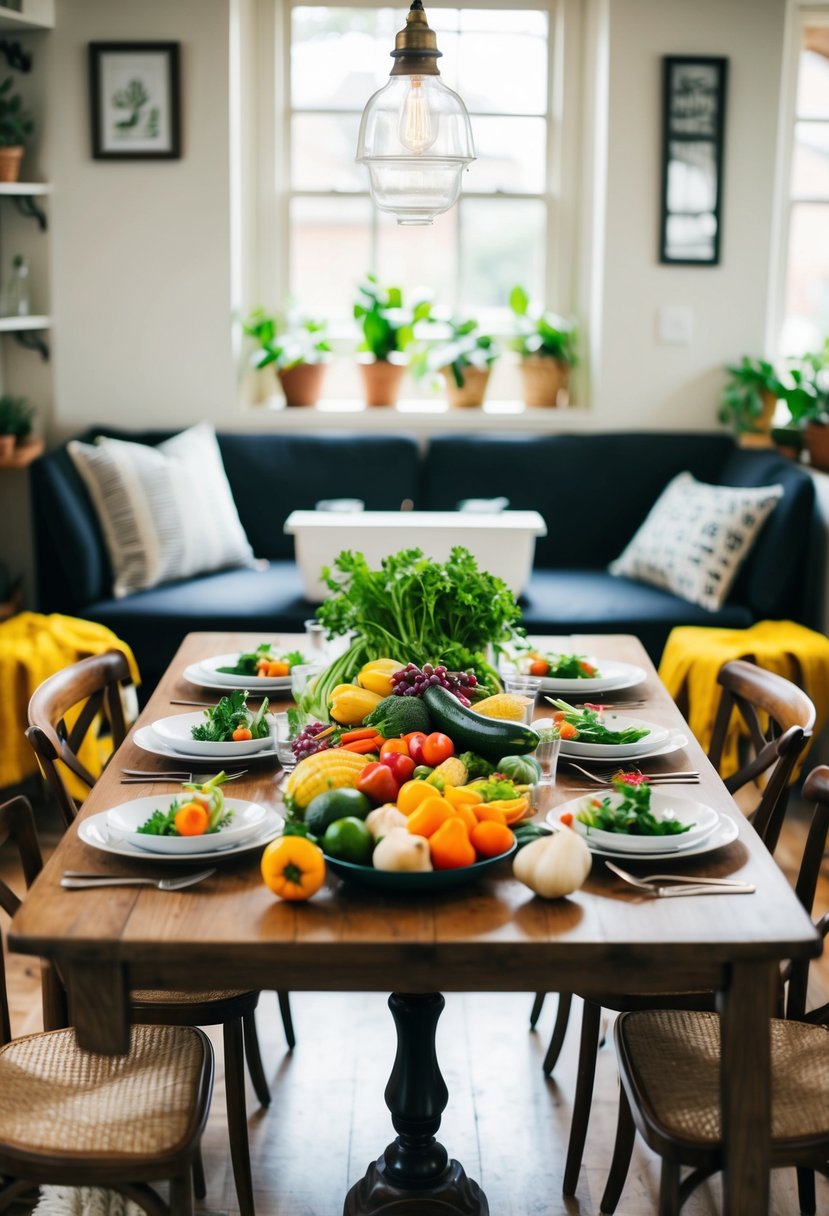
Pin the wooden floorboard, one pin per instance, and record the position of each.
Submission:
(505, 1122)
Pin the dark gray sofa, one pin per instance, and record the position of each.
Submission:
(593, 490)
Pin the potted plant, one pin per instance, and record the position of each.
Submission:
(297, 349)
(547, 345)
(806, 393)
(464, 357)
(388, 329)
(750, 396)
(15, 127)
(16, 420)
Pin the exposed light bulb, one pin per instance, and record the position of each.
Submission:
(417, 128)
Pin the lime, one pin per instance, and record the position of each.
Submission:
(349, 840)
(335, 804)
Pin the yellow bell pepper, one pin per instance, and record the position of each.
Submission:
(461, 795)
(376, 675)
(349, 704)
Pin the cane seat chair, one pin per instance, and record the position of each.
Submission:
(94, 684)
(669, 1061)
(754, 694)
(71, 1118)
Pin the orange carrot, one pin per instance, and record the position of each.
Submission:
(241, 734)
(354, 736)
(362, 747)
(191, 819)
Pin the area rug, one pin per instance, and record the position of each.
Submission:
(83, 1201)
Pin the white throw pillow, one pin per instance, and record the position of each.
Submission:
(696, 537)
(166, 512)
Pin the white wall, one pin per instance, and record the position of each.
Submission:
(637, 381)
(141, 250)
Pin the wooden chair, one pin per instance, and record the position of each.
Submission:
(749, 691)
(669, 1062)
(95, 684)
(63, 1111)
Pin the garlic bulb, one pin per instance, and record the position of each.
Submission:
(553, 866)
(402, 851)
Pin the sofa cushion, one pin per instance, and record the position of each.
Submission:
(593, 490)
(166, 512)
(595, 601)
(696, 537)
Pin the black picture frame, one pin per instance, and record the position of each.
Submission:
(135, 100)
(693, 131)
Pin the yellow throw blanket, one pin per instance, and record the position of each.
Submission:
(694, 654)
(33, 647)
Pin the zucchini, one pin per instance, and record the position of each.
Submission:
(470, 731)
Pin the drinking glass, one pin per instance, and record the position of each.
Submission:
(547, 756)
(523, 686)
(301, 674)
(283, 733)
(315, 635)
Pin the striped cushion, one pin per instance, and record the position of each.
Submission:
(166, 512)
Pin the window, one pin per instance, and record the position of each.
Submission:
(805, 322)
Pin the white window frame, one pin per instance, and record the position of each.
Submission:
(798, 16)
(266, 253)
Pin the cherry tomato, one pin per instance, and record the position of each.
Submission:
(378, 782)
(402, 766)
(437, 748)
(587, 668)
(539, 667)
(395, 745)
(567, 819)
(415, 740)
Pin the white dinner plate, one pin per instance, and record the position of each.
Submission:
(177, 732)
(725, 833)
(198, 675)
(702, 821)
(209, 669)
(146, 738)
(93, 831)
(615, 676)
(656, 737)
(123, 822)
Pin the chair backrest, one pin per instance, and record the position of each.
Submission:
(91, 687)
(17, 824)
(749, 691)
(816, 790)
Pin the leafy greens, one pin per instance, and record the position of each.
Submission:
(632, 816)
(591, 729)
(231, 713)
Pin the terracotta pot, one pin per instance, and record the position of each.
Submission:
(474, 386)
(817, 445)
(545, 381)
(7, 445)
(381, 381)
(10, 159)
(302, 385)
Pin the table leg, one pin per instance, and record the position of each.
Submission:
(414, 1176)
(746, 1006)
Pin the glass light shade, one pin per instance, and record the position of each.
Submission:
(415, 139)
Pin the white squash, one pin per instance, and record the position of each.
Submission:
(553, 866)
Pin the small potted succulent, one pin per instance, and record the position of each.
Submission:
(297, 348)
(749, 397)
(464, 357)
(806, 393)
(15, 127)
(547, 345)
(16, 421)
(388, 330)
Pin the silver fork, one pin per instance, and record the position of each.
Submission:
(685, 885)
(603, 779)
(76, 880)
(137, 775)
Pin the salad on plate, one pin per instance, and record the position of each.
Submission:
(628, 813)
(559, 666)
(201, 812)
(588, 726)
(230, 721)
(264, 662)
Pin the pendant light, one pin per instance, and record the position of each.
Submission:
(415, 136)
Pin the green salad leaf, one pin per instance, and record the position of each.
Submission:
(631, 816)
(248, 664)
(591, 728)
(227, 716)
(570, 667)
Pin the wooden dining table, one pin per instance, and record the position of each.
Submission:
(494, 935)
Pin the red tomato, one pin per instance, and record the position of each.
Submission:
(437, 748)
(415, 740)
(539, 667)
(587, 668)
(402, 766)
(395, 745)
(378, 783)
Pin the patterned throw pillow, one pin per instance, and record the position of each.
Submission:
(696, 537)
(166, 512)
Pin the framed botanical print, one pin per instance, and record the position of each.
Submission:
(693, 125)
(135, 100)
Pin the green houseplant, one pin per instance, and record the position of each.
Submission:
(388, 330)
(15, 127)
(464, 357)
(16, 421)
(750, 396)
(296, 347)
(547, 346)
(806, 393)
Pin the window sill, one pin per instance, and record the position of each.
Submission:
(419, 416)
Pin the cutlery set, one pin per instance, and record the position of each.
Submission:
(684, 777)
(683, 884)
(137, 776)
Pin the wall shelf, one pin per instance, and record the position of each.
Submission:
(23, 195)
(420, 416)
(26, 331)
(35, 15)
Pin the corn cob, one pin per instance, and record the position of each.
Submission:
(503, 705)
(329, 770)
(451, 772)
